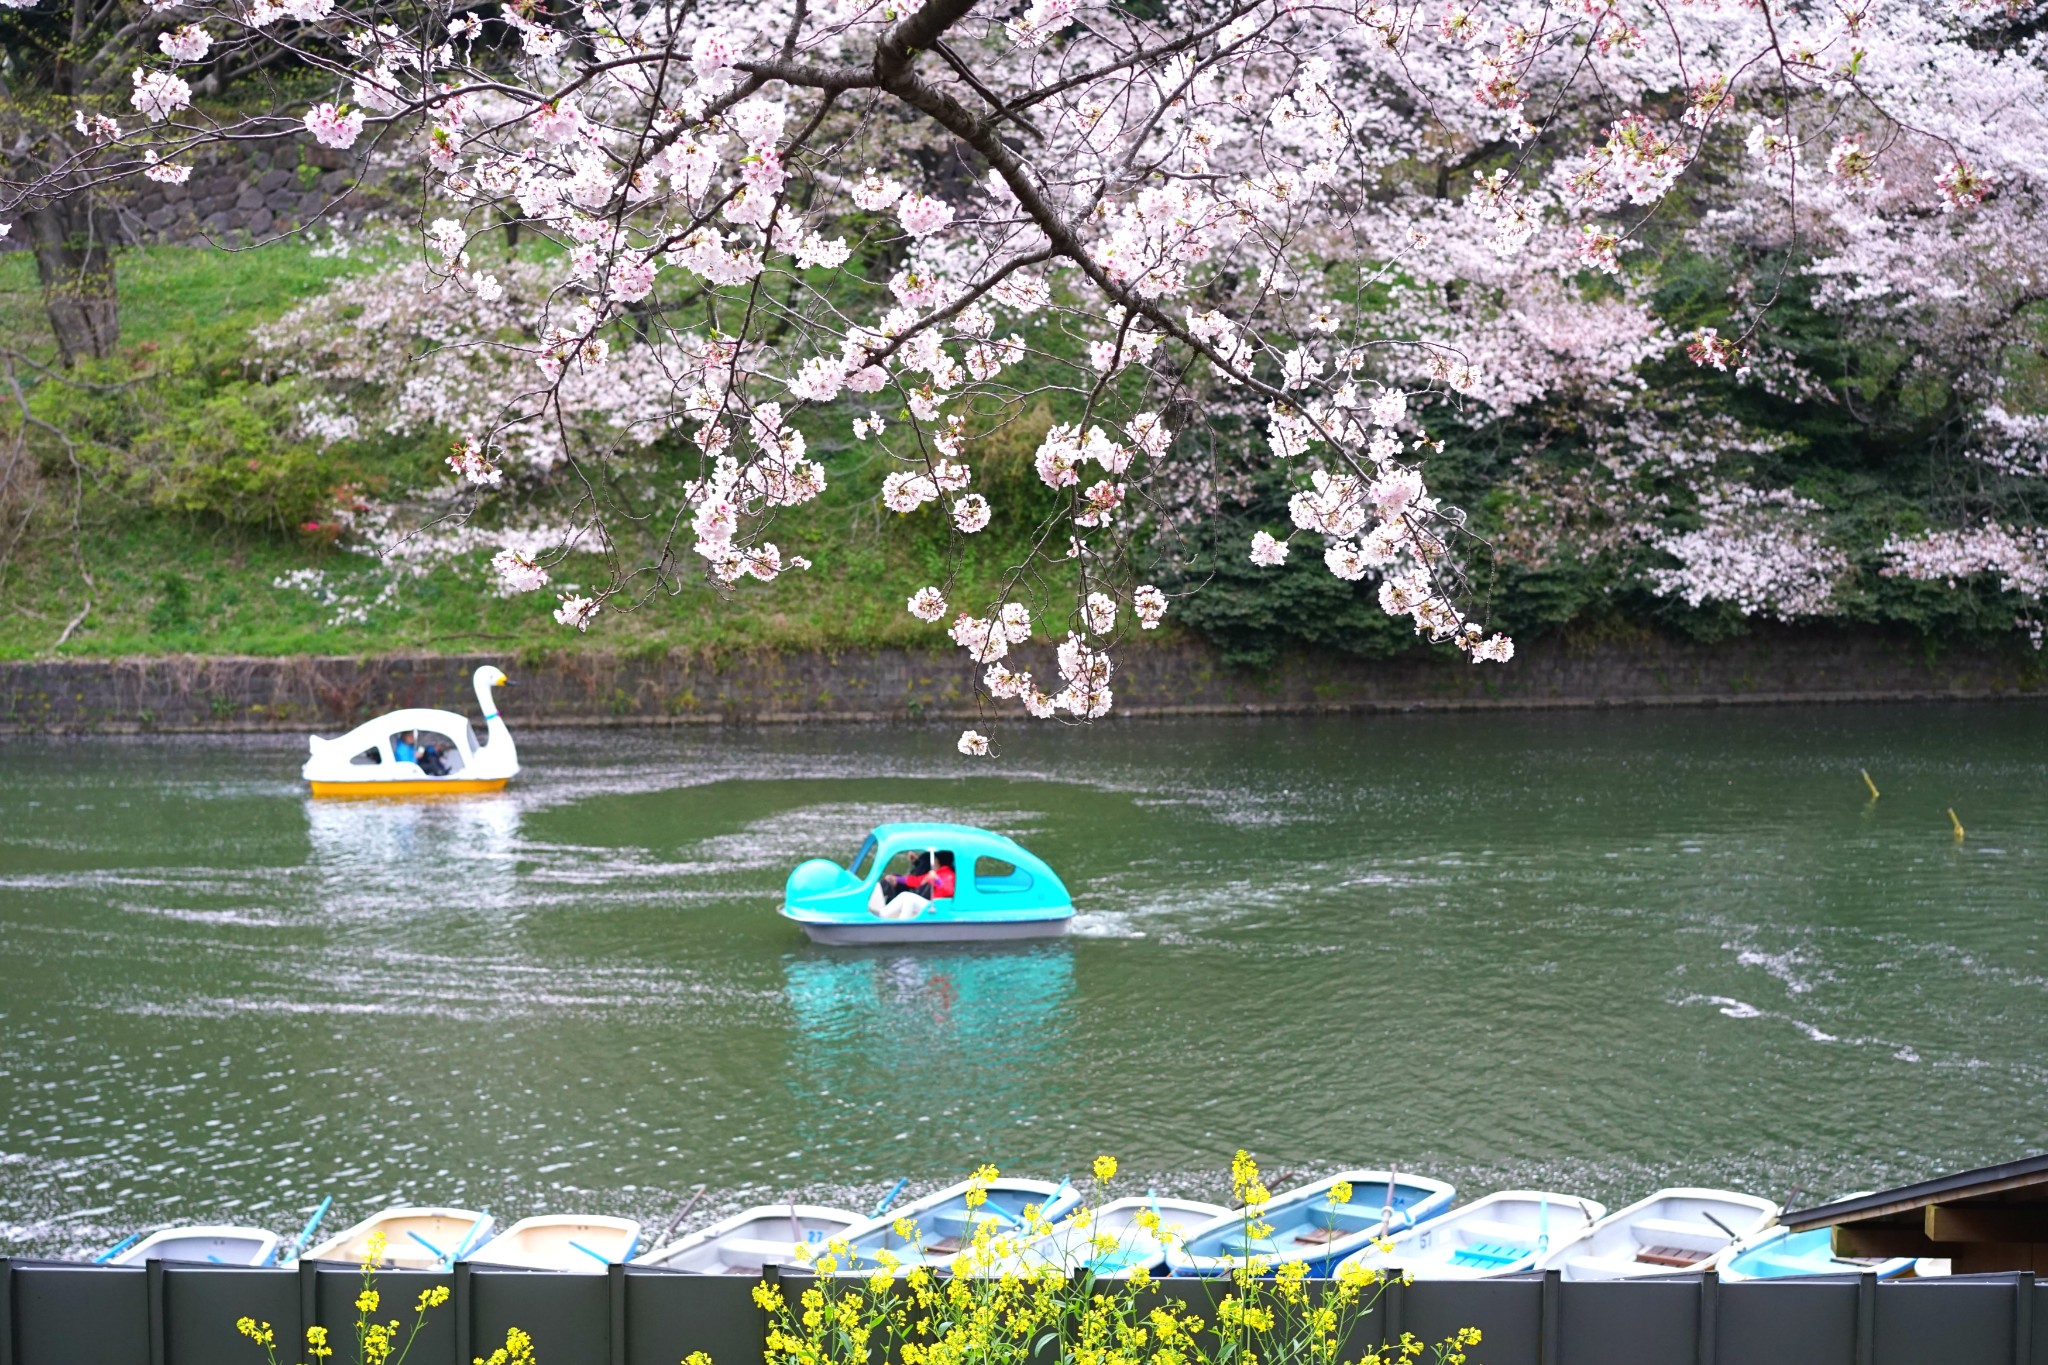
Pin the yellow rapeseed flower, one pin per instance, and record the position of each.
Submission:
(1340, 1193)
(1105, 1168)
(367, 1301)
(696, 1358)
(768, 1297)
(373, 1252)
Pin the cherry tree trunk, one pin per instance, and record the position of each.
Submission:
(75, 266)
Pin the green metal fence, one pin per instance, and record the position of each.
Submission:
(179, 1314)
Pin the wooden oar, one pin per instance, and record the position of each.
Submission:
(116, 1249)
(696, 1193)
(285, 1255)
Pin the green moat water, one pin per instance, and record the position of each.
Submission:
(1597, 952)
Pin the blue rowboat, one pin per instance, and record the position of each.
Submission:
(1501, 1234)
(1305, 1224)
(1112, 1241)
(1000, 891)
(942, 1225)
(1782, 1253)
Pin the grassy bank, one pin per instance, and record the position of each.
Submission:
(161, 572)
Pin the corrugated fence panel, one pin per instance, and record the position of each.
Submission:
(1764, 1322)
(200, 1312)
(80, 1315)
(1508, 1314)
(669, 1315)
(1920, 1321)
(182, 1314)
(1627, 1323)
(569, 1315)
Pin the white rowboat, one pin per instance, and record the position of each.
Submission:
(561, 1241)
(220, 1245)
(747, 1242)
(414, 1238)
(1673, 1232)
(1498, 1235)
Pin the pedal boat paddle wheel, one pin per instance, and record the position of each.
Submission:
(1000, 890)
(361, 762)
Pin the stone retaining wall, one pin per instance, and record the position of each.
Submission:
(575, 688)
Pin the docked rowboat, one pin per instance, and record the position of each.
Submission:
(219, 1245)
(1780, 1253)
(748, 1242)
(973, 885)
(1498, 1235)
(1306, 1224)
(942, 1225)
(414, 1238)
(561, 1241)
(363, 762)
(1673, 1232)
(1112, 1241)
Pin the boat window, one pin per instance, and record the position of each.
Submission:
(367, 757)
(861, 864)
(996, 877)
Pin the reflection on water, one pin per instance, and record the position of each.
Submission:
(415, 855)
(1592, 952)
(932, 1027)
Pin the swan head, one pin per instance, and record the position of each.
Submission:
(490, 675)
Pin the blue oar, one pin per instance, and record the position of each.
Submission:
(438, 1255)
(115, 1250)
(482, 1221)
(215, 1259)
(1054, 1197)
(890, 1197)
(305, 1233)
(601, 1260)
(634, 1247)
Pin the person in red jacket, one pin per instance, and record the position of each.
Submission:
(933, 883)
(936, 884)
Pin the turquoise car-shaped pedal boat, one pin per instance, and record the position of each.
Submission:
(999, 890)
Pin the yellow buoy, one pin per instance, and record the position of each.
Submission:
(1868, 783)
(1957, 823)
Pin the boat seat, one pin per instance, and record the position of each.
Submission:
(1677, 1232)
(1490, 1255)
(1486, 1230)
(757, 1248)
(1672, 1256)
(1328, 1221)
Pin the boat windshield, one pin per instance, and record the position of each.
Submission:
(863, 860)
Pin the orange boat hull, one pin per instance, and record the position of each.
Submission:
(431, 786)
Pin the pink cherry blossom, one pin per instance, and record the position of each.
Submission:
(334, 126)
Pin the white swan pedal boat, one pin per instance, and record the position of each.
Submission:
(745, 1243)
(1502, 1234)
(361, 762)
(1673, 1232)
(561, 1241)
